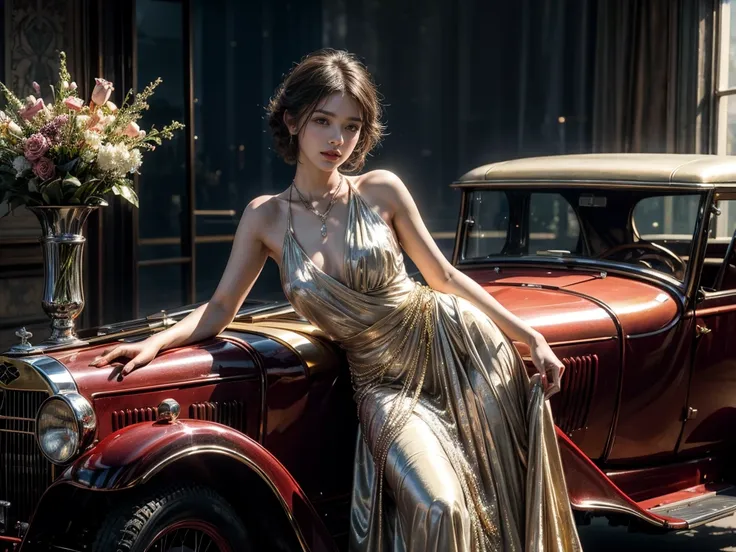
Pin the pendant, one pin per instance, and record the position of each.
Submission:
(323, 230)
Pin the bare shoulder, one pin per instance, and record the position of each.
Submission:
(265, 208)
(382, 187)
(380, 178)
(262, 204)
(261, 213)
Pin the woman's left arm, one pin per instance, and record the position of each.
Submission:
(439, 273)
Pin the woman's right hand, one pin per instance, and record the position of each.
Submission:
(139, 353)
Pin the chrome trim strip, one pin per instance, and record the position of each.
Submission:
(582, 341)
(53, 375)
(265, 314)
(18, 419)
(597, 506)
(689, 500)
(718, 294)
(19, 432)
(57, 376)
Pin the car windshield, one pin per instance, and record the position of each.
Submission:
(649, 229)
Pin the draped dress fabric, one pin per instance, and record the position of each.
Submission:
(456, 448)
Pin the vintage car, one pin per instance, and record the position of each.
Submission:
(626, 264)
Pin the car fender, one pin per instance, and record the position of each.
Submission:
(591, 490)
(135, 454)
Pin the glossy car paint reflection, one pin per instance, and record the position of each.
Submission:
(134, 455)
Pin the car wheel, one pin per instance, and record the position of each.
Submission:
(174, 519)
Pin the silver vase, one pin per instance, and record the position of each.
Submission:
(62, 241)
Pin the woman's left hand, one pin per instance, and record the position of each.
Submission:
(549, 366)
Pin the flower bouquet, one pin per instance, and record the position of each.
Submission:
(61, 160)
(72, 152)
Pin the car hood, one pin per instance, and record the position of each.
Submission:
(570, 306)
(208, 362)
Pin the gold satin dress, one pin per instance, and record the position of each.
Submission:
(457, 449)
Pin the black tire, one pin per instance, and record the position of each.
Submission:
(137, 525)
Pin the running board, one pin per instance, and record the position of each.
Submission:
(702, 508)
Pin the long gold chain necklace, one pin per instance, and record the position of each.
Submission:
(321, 216)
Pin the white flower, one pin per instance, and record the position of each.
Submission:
(136, 160)
(93, 139)
(108, 158)
(117, 159)
(20, 164)
(82, 121)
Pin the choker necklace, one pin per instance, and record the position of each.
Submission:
(321, 216)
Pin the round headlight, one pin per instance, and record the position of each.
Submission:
(65, 425)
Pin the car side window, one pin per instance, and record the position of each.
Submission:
(719, 266)
(489, 211)
(668, 222)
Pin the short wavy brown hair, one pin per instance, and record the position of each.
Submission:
(319, 75)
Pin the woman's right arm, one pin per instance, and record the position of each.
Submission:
(247, 258)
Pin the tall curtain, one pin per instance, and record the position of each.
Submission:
(653, 76)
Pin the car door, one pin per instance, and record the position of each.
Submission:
(710, 414)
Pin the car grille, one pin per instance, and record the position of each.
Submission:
(24, 471)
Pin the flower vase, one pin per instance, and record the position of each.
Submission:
(62, 241)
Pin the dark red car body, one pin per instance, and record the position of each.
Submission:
(645, 416)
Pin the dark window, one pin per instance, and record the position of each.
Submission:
(488, 233)
(162, 186)
(553, 225)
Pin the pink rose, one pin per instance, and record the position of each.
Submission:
(32, 108)
(75, 104)
(132, 130)
(35, 147)
(44, 168)
(102, 91)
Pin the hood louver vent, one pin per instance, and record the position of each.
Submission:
(230, 413)
(571, 406)
(124, 418)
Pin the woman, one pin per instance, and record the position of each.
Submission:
(457, 449)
